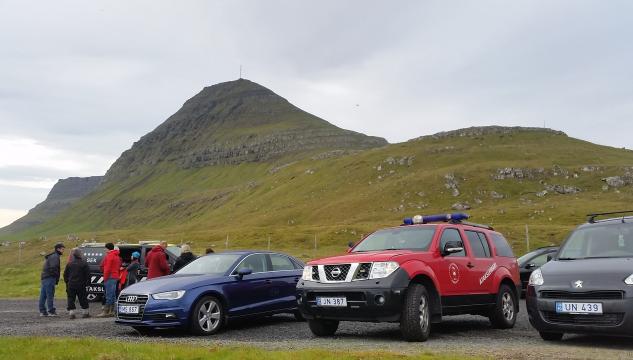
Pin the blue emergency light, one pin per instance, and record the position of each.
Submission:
(419, 219)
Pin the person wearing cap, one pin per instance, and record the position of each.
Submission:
(186, 256)
(77, 277)
(110, 266)
(49, 279)
(132, 269)
(156, 261)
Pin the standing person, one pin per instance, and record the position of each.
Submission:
(49, 278)
(156, 261)
(133, 268)
(208, 251)
(110, 266)
(186, 256)
(77, 277)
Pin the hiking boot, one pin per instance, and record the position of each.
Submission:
(111, 312)
(72, 314)
(105, 311)
(43, 315)
(52, 314)
(85, 314)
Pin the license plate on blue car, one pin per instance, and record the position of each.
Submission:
(128, 309)
(331, 301)
(578, 308)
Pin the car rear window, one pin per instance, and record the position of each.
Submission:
(502, 246)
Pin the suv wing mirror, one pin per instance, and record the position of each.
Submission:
(530, 266)
(550, 257)
(452, 247)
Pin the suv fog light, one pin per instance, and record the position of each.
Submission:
(379, 299)
(299, 300)
(170, 316)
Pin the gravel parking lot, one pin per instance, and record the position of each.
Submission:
(460, 334)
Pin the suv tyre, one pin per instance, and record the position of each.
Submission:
(504, 314)
(323, 327)
(415, 321)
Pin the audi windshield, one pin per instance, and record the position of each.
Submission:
(216, 264)
(404, 238)
(599, 241)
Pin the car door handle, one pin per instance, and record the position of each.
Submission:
(470, 265)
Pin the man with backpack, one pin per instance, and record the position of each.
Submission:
(77, 277)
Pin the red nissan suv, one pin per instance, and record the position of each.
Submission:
(429, 267)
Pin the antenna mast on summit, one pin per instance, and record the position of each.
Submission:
(240, 71)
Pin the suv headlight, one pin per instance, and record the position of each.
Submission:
(307, 273)
(381, 270)
(169, 295)
(629, 280)
(536, 278)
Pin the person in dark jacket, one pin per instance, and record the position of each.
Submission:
(185, 257)
(156, 261)
(132, 269)
(77, 277)
(49, 279)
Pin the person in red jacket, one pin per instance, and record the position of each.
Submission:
(110, 266)
(156, 261)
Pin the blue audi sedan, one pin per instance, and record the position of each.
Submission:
(204, 295)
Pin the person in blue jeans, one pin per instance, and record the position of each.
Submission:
(50, 278)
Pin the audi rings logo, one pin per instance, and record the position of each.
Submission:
(131, 298)
(336, 272)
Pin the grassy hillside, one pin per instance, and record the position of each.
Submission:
(337, 199)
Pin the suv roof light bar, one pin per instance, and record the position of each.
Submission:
(592, 217)
(419, 219)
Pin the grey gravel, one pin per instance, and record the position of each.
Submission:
(458, 335)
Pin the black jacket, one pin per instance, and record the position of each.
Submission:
(77, 274)
(132, 273)
(51, 267)
(184, 259)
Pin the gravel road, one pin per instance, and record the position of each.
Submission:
(458, 334)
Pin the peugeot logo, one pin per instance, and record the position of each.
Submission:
(336, 272)
(578, 284)
(131, 299)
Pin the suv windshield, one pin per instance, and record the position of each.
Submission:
(599, 241)
(216, 264)
(410, 238)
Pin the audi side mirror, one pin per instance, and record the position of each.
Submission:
(452, 247)
(243, 272)
(550, 257)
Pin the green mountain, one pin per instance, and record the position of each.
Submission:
(238, 162)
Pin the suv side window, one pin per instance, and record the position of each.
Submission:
(478, 244)
(281, 262)
(256, 262)
(501, 244)
(451, 234)
(540, 260)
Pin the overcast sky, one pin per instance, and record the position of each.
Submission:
(81, 80)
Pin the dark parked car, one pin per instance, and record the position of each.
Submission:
(95, 252)
(588, 286)
(205, 294)
(532, 261)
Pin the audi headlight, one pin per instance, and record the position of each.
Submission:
(381, 270)
(629, 280)
(536, 278)
(169, 295)
(307, 273)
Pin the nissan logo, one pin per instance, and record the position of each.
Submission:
(131, 298)
(336, 272)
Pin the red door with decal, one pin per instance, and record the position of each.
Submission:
(483, 265)
(452, 270)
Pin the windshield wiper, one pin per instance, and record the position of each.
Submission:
(568, 258)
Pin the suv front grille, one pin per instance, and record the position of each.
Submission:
(336, 272)
(612, 319)
(131, 299)
(315, 273)
(363, 271)
(584, 295)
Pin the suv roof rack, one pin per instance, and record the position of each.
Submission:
(592, 217)
(483, 226)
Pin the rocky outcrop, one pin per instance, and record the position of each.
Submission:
(232, 123)
(478, 131)
(62, 195)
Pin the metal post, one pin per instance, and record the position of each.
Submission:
(269, 242)
(527, 237)
(226, 244)
(315, 244)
